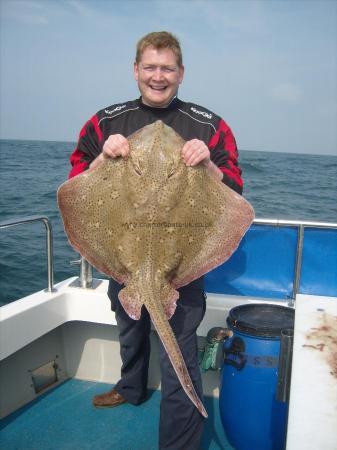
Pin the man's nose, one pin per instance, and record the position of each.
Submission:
(158, 73)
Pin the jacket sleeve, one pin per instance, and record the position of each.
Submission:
(88, 147)
(224, 154)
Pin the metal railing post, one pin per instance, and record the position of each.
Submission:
(85, 279)
(298, 263)
(49, 242)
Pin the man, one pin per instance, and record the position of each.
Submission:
(158, 70)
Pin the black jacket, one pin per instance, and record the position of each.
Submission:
(187, 119)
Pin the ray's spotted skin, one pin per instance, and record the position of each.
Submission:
(155, 225)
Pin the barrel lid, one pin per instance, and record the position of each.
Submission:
(261, 319)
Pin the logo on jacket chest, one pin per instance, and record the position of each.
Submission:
(111, 111)
(202, 113)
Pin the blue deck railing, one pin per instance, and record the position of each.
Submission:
(278, 259)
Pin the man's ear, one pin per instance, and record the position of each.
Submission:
(181, 74)
(135, 70)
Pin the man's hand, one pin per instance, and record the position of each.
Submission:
(116, 145)
(194, 152)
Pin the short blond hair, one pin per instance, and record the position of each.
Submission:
(160, 40)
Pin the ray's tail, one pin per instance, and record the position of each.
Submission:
(171, 346)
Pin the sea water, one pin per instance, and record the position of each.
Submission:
(278, 185)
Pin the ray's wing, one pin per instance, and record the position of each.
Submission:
(96, 217)
(213, 218)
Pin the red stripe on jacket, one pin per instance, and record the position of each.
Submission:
(231, 170)
(77, 158)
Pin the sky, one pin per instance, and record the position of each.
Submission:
(269, 67)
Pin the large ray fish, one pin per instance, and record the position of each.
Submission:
(155, 225)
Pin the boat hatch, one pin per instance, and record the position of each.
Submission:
(44, 376)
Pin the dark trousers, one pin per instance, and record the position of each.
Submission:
(181, 424)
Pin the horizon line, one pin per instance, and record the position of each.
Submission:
(239, 149)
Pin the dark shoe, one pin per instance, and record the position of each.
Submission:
(108, 400)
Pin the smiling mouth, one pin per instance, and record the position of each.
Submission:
(158, 88)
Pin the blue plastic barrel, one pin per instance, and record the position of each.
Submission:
(251, 416)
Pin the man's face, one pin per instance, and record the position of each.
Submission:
(158, 76)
